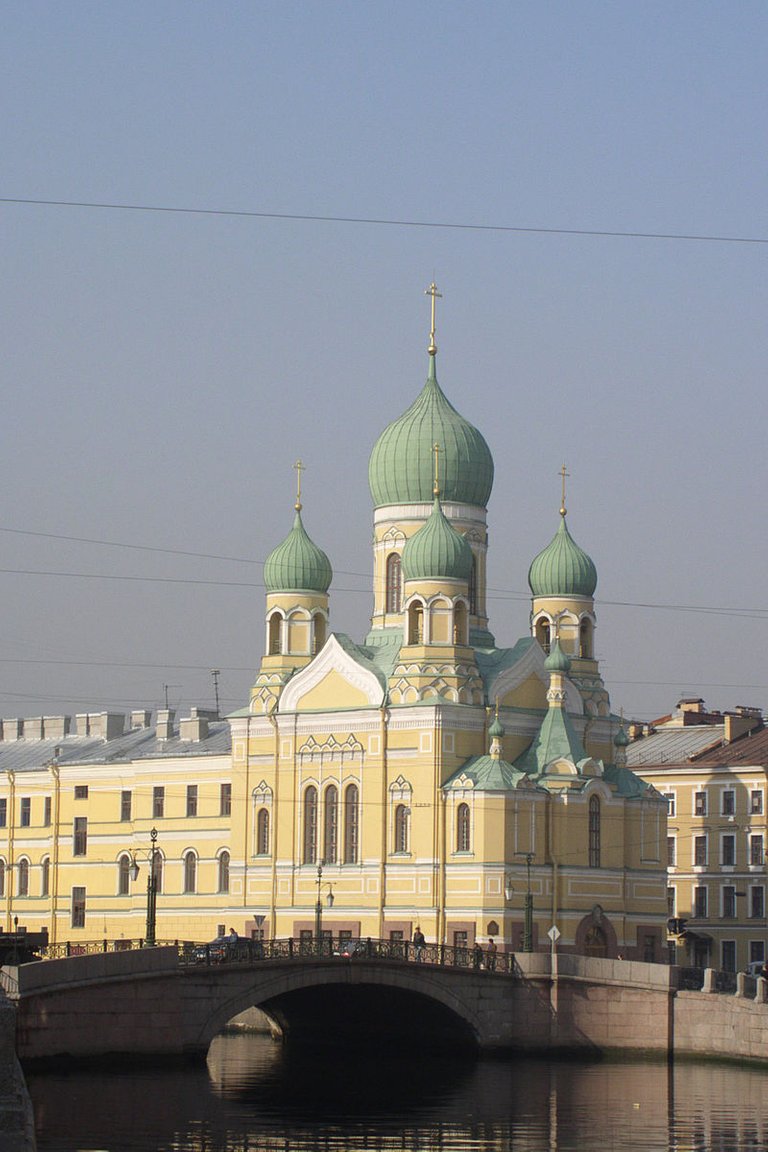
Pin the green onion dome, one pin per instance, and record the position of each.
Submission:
(400, 470)
(562, 569)
(297, 565)
(557, 660)
(496, 729)
(437, 550)
(621, 740)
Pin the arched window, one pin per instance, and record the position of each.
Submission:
(544, 634)
(402, 813)
(23, 877)
(318, 632)
(462, 828)
(585, 639)
(351, 825)
(275, 621)
(594, 832)
(472, 587)
(394, 582)
(45, 876)
(190, 872)
(460, 624)
(262, 832)
(416, 623)
(331, 825)
(124, 875)
(2, 877)
(224, 872)
(310, 825)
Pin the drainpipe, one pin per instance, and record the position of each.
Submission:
(384, 818)
(436, 838)
(273, 819)
(56, 773)
(247, 808)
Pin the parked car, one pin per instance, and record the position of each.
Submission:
(228, 947)
(350, 948)
(755, 968)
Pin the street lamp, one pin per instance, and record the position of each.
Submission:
(319, 904)
(528, 922)
(149, 938)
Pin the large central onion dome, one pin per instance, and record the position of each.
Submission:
(297, 565)
(562, 569)
(437, 551)
(400, 468)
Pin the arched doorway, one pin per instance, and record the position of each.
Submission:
(595, 942)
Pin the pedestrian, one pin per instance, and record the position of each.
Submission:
(491, 950)
(233, 937)
(419, 940)
(477, 955)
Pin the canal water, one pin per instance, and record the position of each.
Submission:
(253, 1094)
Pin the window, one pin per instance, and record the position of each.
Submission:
(756, 854)
(700, 902)
(670, 799)
(158, 802)
(756, 951)
(460, 939)
(262, 832)
(157, 871)
(585, 639)
(331, 825)
(756, 802)
(472, 586)
(225, 800)
(125, 805)
(191, 799)
(351, 828)
(401, 828)
(544, 635)
(80, 845)
(45, 876)
(649, 949)
(46, 811)
(310, 825)
(124, 875)
(728, 955)
(224, 872)
(728, 802)
(81, 791)
(729, 902)
(23, 877)
(462, 828)
(670, 901)
(700, 851)
(25, 811)
(416, 623)
(671, 852)
(3, 812)
(394, 583)
(2, 877)
(318, 632)
(190, 872)
(728, 851)
(699, 803)
(78, 908)
(757, 902)
(594, 832)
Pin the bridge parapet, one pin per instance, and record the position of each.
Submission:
(43, 976)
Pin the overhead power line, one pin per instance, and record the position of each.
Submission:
(380, 221)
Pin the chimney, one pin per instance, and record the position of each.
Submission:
(736, 724)
(141, 718)
(12, 729)
(32, 727)
(56, 727)
(165, 718)
(195, 726)
(100, 725)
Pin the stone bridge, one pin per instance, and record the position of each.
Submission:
(149, 1002)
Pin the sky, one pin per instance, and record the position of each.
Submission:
(162, 370)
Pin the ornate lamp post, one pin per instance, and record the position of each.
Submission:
(319, 904)
(149, 938)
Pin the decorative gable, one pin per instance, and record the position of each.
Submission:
(334, 679)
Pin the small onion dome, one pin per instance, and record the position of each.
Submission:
(557, 660)
(437, 551)
(621, 740)
(297, 565)
(400, 469)
(562, 569)
(496, 729)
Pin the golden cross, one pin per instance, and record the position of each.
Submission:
(299, 469)
(433, 292)
(563, 474)
(436, 487)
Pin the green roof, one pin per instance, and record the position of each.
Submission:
(488, 774)
(562, 569)
(437, 550)
(557, 660)
(297, 565)
(401, 468)
(557, 739)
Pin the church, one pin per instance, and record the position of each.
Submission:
(425, 776)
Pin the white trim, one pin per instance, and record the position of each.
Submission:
(332, 658)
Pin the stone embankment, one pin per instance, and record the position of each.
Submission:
(17, 1132)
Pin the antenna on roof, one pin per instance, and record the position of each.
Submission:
(216, 673)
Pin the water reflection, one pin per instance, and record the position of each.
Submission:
(254, 1095)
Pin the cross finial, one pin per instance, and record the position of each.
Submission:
(433, 292)
(300, 467)
(563, 475)
(436, 485)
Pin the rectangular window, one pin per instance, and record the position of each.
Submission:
(191, 799)
(460, 939)
(756, 951)
(700, 851)
(699, 803)
(158, 802)
(670, 901)
(649, 949)
(3, 812)
(729, 902)
(81, 791)
(80, 845)
(728, 802)
(728, 851)
(756, 854)
(671, 806)
(728, 956)
(700, 902)
(125, 805)
(78, 907)
(671, 851)
(756, 802)
(46, 811)
(225, 800)
(757, 902)
(25, 811)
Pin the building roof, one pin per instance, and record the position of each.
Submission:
(673, 745)
(752, 748)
